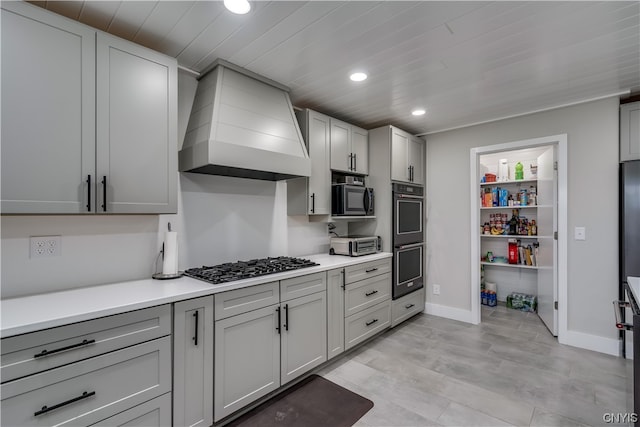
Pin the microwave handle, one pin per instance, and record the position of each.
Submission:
(368, 200)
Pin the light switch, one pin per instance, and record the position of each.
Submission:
(580, 233)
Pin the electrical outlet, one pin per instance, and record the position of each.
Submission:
(436, 289)
(45, 246)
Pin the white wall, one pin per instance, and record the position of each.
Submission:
(219, 219)
(592, 130)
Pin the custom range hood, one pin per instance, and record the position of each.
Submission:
(243, 125)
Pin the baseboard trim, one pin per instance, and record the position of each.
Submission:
(448, 312)
(591, 342)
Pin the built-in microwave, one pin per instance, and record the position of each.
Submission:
(349, 199)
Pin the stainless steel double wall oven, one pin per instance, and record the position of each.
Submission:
(408, 239)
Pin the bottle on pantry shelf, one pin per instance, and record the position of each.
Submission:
(533, 196)
(519, 171)
(534, 228)
(513, 222)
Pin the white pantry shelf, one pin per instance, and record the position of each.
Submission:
(507, 265)
(498, 183)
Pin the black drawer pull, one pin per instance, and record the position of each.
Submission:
(368, 294)
(408, 306)
(104, 193)
(46, 409)
(371, 322)
(89, 193)
(371, 270)
(195, 335)
(58, 350)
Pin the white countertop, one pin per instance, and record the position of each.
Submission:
(32, 313)
(634, 284)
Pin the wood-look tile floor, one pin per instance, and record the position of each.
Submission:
(508, 370)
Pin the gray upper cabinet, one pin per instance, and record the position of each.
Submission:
(312, 196)
(629, 131)
(407, 157)
(136, 128)
(89, 120)
(48, 111)
(349, 148)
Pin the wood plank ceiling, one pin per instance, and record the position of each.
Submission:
(464, 62)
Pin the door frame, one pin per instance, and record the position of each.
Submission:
(560, 141)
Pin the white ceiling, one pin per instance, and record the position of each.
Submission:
(464, 62)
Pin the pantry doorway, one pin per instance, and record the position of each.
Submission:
(522, 214)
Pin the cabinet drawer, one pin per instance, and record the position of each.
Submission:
(154, 413)
(303, 285)
(353, 273)
(85, 392)
(28, 354)
(366, 293)
(407, 306)
(243, 300)
(367, 323)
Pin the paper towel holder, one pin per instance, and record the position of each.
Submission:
(163, 276)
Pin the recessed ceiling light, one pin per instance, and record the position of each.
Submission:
(239, 7)
(358, 77)
(418, 112)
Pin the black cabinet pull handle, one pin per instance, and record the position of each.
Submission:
(104, 193)
(58, 350)
(343, 279)
(278, 327)
(355, 162)
(368, 294)
(286, 317)
(313, 202)
(195, 335)
(371, 270)
(46, 409)
(408, 306)
(350, 161)
(89, 193)
(371, 322)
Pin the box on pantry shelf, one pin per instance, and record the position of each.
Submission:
(489, 177)
(522, 302)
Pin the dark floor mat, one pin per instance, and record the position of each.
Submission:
(314, 402)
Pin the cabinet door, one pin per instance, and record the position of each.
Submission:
(48, 105)
(136, 121)
(340, 146)
(335, 312)
(319, 137)
(416, 160)
(247, 359)
(304, 335)
(629, 131)
(360, 150)
(154, 413)
(399, 153)
(193, 362)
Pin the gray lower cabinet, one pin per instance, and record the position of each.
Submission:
(407, 306)
(335, 312)
(247, 359)
(90, 390)
(154, 413)
(193, 362)
(267, 345)
(303, 335)
(367, 323)
(112, 148)
(367, 301)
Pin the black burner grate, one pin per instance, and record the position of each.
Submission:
(231, 271)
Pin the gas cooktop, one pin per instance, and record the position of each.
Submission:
(231, 271)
